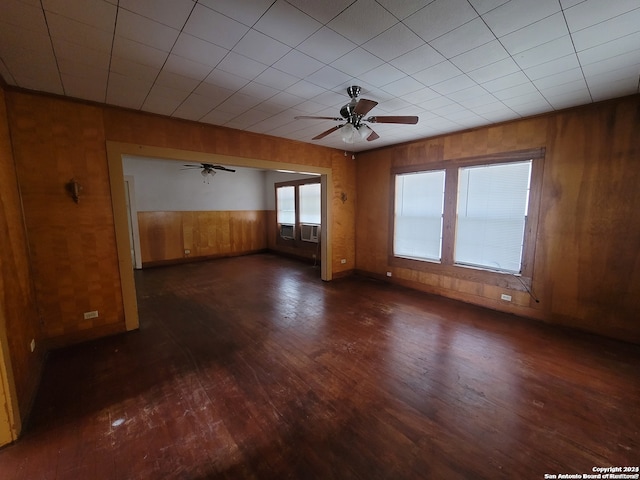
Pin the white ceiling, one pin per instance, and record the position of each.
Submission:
(256, 64)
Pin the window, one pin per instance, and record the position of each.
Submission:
(419, 205)
(298, 207)
(310, 204)
(471, 218)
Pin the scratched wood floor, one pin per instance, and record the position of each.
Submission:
(253, 367)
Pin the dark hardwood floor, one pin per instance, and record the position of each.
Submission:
(252, 367)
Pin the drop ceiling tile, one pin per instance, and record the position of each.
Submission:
(186, 67)
(195, 107)
(305, 89)
(529, 109)
(326, 45)
(440, 17)
(393, 43)
(261, 48)
(621, 46)
(241, 66)
(570, 3)
(238, 103)
(287, 24)
(537, 33)
(226, 80)
(133, 69)
(547, 52)
(64, 28)
(323, 11)
(28, 17)
(450, 109)
(454, 84)
(328, 77)
(590, 13)
(198, 50)
(403, 86)
(479, 57)
(526, 99)
(570, 99)
(362, 21)
(127, 91)
(384, 74)
(464, 38)
(558, 65)
(517, 91)
(517, 14)
(357, 62)
(286, 99)
(468, 94)
(419, 59)
(173, 13)
(142, 30)
(495, 107)
(494, 70)
(500, 116)
(258, 91)
(476, 101)
(562, 78)
(96, 13)
(213, 27)
(298, 64)
(245, 12)
(564, 88)
(437, 73)
(309, 107)
(81, 53)
(403, 9)
(393, 105)
(176, 82)
(276, 79)
(333, 99)
(614, 66)
(507, 81)
(607, 31)
(138, 53)
(164, 100)
(214, 93)
(484, 6)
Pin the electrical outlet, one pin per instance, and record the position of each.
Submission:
(344, 260)
(388, 274)
(92, 314)
(187, 251)
(32, 345)
(505, 297)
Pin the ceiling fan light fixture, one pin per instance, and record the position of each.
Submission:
(349, 133)
(364, 132)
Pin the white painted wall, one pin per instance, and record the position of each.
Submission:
(163, 185)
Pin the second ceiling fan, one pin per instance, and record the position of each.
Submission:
(353, 114)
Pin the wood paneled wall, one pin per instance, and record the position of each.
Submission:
(587, 260)
(19, 322)
(72, 245)
(164, 236)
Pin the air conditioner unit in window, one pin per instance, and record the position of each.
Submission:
(286, 232)
(309, 233)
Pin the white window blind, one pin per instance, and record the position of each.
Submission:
(310, 204)
(491, 216)
(419, 204)
(286, 213)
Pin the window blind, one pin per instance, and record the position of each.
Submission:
(286, 208)
(310, 204)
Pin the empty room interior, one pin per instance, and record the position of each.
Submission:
(353, 239)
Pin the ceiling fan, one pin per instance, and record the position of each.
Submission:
(208, 169)
(355, 126)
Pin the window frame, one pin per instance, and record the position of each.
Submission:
(447, 266)
(296, 240)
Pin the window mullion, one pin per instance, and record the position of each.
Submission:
(449, 215)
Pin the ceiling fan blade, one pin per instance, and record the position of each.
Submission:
(304, 117)
(327, 132)
(408, 120)
(220, 167)
(372, 136)
(364, 106)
